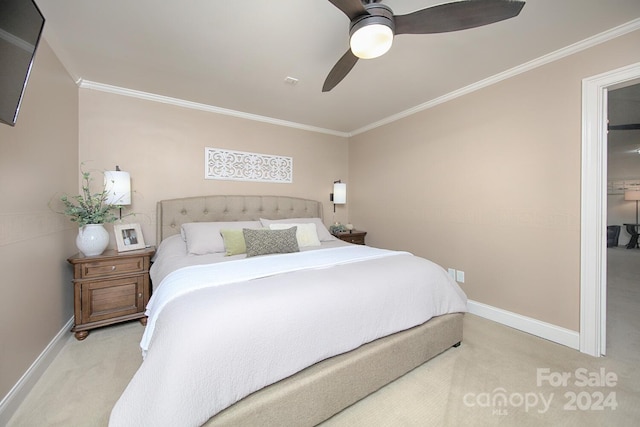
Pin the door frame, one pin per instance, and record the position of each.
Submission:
(593, 207)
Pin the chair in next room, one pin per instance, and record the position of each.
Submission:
(613, 233)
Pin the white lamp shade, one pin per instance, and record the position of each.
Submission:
(632, 195)
(118, 187)
(371, 41)
(339, 193)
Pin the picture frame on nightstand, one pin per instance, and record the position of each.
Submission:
(128, 237)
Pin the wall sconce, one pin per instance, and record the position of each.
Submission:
(117, 184)
(339, 195)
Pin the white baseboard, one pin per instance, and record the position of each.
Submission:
(526, 324)
(10, 403)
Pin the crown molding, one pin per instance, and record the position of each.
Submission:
(538, 62)
(16, 41)
(87, 84)
(527, 66)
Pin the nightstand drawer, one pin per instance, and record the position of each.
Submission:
(112, 266)
(358, 240)
(356, 237)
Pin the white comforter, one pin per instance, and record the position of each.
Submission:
(220, 339)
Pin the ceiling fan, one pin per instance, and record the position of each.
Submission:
(373, 26)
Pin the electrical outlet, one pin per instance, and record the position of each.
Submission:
(460, 276)
(452, 273)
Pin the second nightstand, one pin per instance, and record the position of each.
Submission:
(109, 288)
(353, 236)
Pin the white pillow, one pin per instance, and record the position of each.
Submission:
(306, 233)
(321, 229)
(205, 238)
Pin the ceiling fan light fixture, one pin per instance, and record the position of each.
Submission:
(371, 34)
(371, 40)
(373, 26)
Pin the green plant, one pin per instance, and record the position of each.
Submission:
(337, 228)
(88, 208)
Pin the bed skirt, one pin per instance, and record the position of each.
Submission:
(322, 390)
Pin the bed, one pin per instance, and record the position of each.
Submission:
(292, 340)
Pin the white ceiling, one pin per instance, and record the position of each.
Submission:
(236, 54)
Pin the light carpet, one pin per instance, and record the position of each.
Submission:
(498, 376)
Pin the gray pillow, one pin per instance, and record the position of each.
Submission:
(264, 242)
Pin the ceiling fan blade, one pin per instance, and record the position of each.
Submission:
(631, 126)
(455, 16)
(351, 8)
(340, 70)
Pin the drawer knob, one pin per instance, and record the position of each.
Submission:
(113, 268)
(140, 295)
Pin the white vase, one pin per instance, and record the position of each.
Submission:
(92, 239)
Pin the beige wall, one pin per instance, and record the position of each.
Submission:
(38, 158)
(162, 147)
(489, 183)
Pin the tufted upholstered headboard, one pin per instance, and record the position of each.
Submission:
(172, 213)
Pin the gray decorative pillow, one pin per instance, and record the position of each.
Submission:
(264, 242)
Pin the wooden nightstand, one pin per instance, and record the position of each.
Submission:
(353, 236)
(110, 288)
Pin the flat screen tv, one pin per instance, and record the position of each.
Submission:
(21, 24)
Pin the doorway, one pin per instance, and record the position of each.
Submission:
(593, 267)
(623, 189)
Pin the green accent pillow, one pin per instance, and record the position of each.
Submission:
(264, 242)
(233, 242)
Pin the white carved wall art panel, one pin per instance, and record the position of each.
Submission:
(231, 165)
